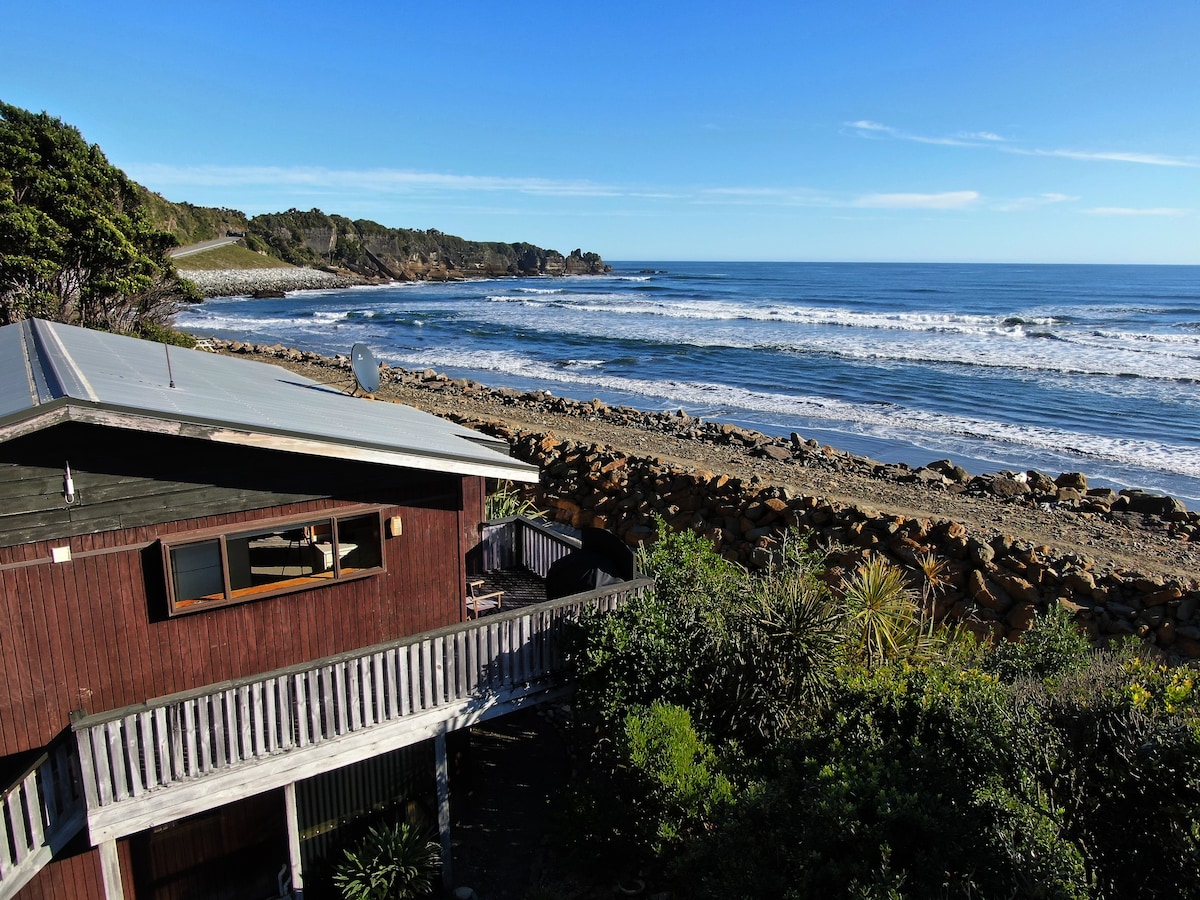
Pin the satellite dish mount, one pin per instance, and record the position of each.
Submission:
(366, 370)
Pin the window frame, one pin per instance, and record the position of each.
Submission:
(332, 519)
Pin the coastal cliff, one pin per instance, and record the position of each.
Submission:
(366, 250)
(371, 250)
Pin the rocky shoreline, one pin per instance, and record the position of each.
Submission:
(234, 282)
(1009, 544)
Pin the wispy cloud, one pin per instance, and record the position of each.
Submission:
(869, 129)
(389, 180)
(1137, 211)
(1022, 204)
(989, 139)
(1145, 159)
(316, 182)
(943, 200)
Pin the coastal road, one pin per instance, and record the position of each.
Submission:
(201, 247)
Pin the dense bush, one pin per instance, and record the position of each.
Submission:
(766, 736)
(76, 244)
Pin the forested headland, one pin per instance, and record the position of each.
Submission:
(82, 243)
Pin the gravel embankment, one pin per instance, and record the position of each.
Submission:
(232, 282)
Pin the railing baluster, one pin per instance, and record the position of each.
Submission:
(14, 806)
(270, 697)
(250, 700)
(439, 670)
(330, 704)
(459, 678)
(224, 730)
(402, 670)
(428, 699)
(132, 747)
(177, 742)
(378, 690)
(414, 677)
(161, 748)
(116, 758)
(391, 681)
(353, 695)
(205, 731)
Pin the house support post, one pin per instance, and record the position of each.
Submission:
(110, 871)
(293, 831)
(442, 773)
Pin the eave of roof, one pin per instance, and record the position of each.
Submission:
(51, 373)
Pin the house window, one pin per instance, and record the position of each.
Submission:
(207, 569)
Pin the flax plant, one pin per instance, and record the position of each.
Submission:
(883, 618)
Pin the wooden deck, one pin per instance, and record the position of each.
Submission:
(127, 770)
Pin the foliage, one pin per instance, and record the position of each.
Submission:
(885, 794)
(190, 224)
(507, 500)
(655, 785)
(392, 862)
(1112, 761)
(676, 768)
(883, 618)
(1051, 648)
(75, 243)
(776, 658)
(925, 768)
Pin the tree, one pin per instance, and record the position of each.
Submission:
(75, 243)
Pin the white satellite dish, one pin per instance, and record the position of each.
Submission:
(365, 368)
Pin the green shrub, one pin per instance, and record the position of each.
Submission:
(507, 500)
(393, 862)
(1051, 648)
(681, 789)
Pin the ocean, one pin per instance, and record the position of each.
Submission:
(1059, 368)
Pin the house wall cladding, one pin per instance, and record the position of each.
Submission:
(92, 633)
(125, 479)
(75, 875)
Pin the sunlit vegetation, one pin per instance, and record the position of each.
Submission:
(76, 242)
(229, 256)
(768, 735)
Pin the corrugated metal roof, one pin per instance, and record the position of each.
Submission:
(84, 375)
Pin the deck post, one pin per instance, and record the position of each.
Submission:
(293, 830)
(110, 871)
(442, 773)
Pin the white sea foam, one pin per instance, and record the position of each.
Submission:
(884, 421)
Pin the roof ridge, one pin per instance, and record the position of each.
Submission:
(45, 333)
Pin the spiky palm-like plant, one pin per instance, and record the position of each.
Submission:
(395, 862)
(507, 501)
(882, 616)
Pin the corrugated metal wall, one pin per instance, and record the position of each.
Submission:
(337, 806)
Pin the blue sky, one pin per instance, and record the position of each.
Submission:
(1016, 131)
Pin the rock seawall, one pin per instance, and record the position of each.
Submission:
(234, 282)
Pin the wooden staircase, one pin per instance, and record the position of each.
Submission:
(42, 810)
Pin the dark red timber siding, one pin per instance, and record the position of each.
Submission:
(93, 633)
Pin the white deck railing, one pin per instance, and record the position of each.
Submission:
(455, 674)
(125, 770)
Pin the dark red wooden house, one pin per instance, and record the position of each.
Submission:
(219, 583)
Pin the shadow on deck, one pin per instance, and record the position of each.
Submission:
(521, 589)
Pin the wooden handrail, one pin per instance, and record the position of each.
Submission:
(129, 752)
(39, 813)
